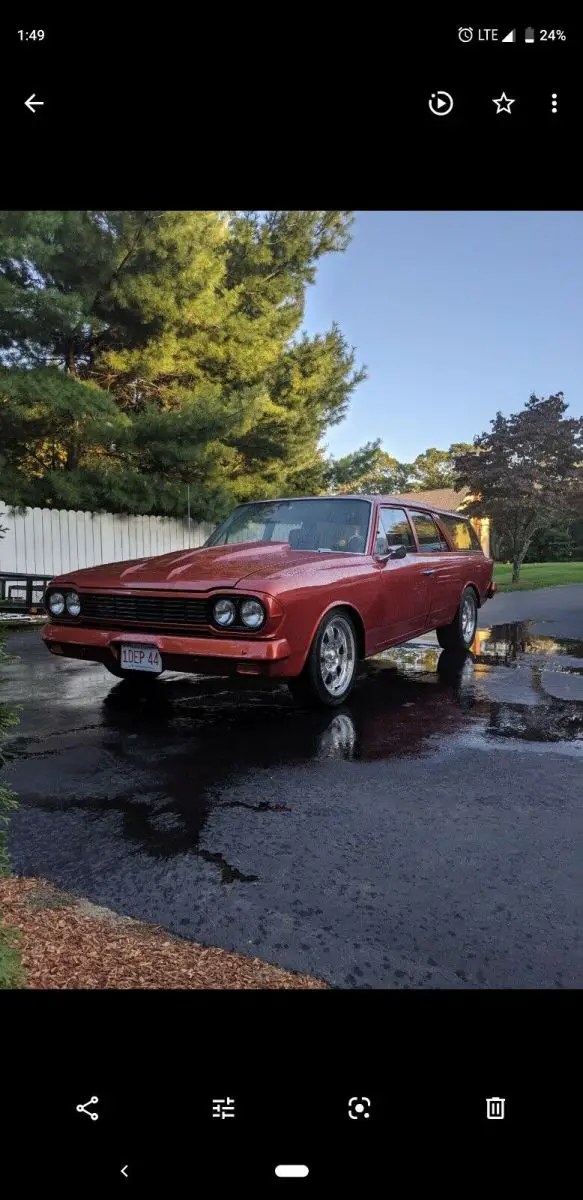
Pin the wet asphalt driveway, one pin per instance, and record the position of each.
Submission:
(428, 834)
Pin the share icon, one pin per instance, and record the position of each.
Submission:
(85, 1107)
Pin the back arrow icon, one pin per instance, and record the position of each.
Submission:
(124, 1170)
(31, 103)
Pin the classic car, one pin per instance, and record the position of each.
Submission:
(295, 589)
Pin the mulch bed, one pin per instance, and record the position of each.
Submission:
(69, 943)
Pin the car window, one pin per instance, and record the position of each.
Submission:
(430, 539)
(327, 523)
(251, 531)
(394, 530)
(463, 535)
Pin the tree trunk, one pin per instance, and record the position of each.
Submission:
(518, 558)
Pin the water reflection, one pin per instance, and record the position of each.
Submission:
(540, 699)
(408, 701)
(193, 746)
(510, 643)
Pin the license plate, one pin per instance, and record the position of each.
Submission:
(140, 658)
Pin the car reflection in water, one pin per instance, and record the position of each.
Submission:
(396, 706)
(435, 694)
(406, 702)
(198, 736)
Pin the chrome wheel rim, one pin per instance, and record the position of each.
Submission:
(337, 656)
(468, 619)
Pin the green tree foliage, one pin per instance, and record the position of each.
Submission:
(561, 541)
(367, 471)
(436, 468)
(554, 543)
(372, 470)
(526, 472)
(147, 350)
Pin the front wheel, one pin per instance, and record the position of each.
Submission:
(460, 634)
(329, 674)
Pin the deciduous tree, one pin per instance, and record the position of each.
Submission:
(526, 471)
(369, 470)
(436, 468)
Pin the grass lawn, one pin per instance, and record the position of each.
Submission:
(538, 575)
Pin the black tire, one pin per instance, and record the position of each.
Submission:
(329, 680)
(462, 631)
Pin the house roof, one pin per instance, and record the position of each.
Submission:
(445, 498)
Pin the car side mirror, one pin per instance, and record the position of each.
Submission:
(398, 552)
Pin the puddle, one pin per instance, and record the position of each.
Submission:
(162, 764)
(515, 643)
(503, 645)
(407, 701)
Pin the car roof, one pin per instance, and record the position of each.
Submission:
(399, 503)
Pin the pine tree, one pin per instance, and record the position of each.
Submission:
(170, 347)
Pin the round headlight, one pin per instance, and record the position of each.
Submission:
(224, 612)
(73, 604)
(56, 603)
(252, 614)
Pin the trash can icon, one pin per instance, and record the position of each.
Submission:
(495, 1108)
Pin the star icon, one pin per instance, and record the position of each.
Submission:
(502, 103)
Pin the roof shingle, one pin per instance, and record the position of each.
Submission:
(446, 498)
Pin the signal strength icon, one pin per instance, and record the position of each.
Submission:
(510, 37)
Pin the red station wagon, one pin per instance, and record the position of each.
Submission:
(298, 590)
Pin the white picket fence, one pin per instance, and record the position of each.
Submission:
(50, 542)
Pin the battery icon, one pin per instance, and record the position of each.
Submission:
(529, 35)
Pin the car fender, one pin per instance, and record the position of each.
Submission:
(478, 588)
(353, 609)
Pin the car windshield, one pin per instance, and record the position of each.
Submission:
(328, 524)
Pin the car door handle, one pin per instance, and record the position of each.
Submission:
(433, 571)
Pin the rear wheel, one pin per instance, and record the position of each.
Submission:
(460, 634)
(329, 674)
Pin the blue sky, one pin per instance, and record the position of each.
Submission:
(456, 315)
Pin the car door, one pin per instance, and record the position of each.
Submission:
(406, 588)
(439, 567)
(466, 551)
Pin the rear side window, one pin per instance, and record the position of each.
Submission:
(463, 536)
(394, 530)
(430, 538)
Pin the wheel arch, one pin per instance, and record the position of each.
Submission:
(353, 613)
(475, 589)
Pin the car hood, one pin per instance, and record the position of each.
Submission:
(206, 568)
